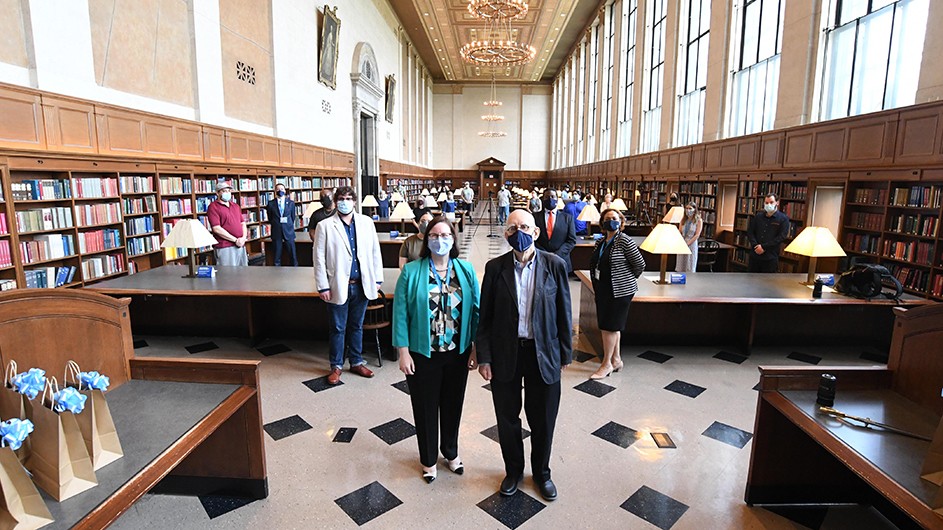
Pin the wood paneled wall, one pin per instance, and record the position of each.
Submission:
(400, 170)
(33, 122)
(909, 137)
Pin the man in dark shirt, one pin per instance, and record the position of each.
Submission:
(326, 210)
(766, 233)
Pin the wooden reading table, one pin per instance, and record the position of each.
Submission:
(389, 250)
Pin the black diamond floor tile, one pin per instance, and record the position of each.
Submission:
(345, 435)
(582, 356)
(140, 344)
(685, 389)
(804, 357)
(368, 503)
(654, 507)
(402, 386)
(808, 516)
(512, 511)
(319, 384)
(617, 434)
(274, 349)
(594, 388)
(216, 505)
(202, 347)
(492, 432)
(728, 435)
(874, 357)
(756, 387)
(286, 427)
(394, 431)
(655, 356)
(487, 387)
(730, 357)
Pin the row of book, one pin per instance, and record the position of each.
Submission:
(43, 219)
(169, 185)
(6, 257)
(4, 229)
(46, 247)
(703, 188)
(864, 243)
(7, 285)
(94, 187)
(248, 184)
(871, 196)
(915, 279)
(915, 251)
(918, 196)
(49, 277)
(41, 189)
(98, 214)
(937, 285)
(250, 216)
(139, 225)
(176, 207)
(206, 186)
(704, 203)
(248, 201)
(795, 192)
(203, 203)
(99, 266)
(866, 221)
(795, 210)
(143, 245)
(136, 183)
(99, 240)
(146, 204)
(918, 225)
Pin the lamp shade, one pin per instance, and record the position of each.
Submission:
(369, 202)
(815, 242)
(424, 192)
(311, 208)
(429, 202)
(188, 233)
(402, 212)
(433, 191)
(675, 215)
(396, 197)
(442, 197)
(592, 200)
(618, 204)
(589, 214)
(665, 239)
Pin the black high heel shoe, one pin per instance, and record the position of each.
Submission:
(429, 475)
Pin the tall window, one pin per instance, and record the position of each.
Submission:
(608, 61)
(692, 78)
(573, 123)
(655, 73)
(756, 76)
(581, 103)
(627, 74)
(873, 50)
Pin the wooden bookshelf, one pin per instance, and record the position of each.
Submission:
(793, 201)
(703, 193)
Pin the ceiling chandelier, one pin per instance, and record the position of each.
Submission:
(491, 118)
(498, 48)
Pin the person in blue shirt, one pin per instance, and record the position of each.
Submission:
(574, 207)
(384, 200)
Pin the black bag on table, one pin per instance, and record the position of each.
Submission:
(866, 280)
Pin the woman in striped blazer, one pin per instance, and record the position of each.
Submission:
(615, 267)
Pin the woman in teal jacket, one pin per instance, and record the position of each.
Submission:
(435, 317)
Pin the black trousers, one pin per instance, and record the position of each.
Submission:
(437, 393)
(541, 403)
(289, 244)
(763, 265)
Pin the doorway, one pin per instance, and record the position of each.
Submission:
(369, 184)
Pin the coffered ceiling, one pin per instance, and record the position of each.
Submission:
(439, 28)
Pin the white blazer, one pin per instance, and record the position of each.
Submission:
(333, 258)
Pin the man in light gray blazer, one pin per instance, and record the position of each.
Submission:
(348, 269)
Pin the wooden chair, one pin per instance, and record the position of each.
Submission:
(377, 318)
(707, 254)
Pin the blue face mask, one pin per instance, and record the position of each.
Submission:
(345, 207)
(281, 193)
(612, 225)
(550, 204)
(520, 241)
(440, 246)
(225, 196)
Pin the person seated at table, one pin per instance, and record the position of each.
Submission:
(606, 203)
(615, 267)
(435, 319)
(691, 227)
(412, 247)
(448, 207)
(534, 204)
(384, 201)
(766, 233)
(326, 210)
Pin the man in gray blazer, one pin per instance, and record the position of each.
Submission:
(525, 335)
(348, 269)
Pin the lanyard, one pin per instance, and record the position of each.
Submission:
(605, 243)
(439, 283)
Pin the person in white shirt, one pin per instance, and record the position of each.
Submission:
(504, 205)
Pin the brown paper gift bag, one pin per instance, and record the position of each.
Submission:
(59, 461)
(14, 405)
(98, 429)
(23, 508)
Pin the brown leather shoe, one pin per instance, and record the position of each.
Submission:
(334, 377)
(361, 370)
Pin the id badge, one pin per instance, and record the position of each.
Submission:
(439, 327)
(284, 220)
(596, 274)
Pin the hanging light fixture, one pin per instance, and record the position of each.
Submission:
(499, 47)
(491, 118)
(488, 9)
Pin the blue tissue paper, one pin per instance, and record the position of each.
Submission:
(30, 383)
(13, 432)
(394, 234)
(69, 399)
(677, 277)
(94, 381)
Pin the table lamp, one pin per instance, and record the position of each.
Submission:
(675, 215)
(396, 197)
(429, 202)
(402, 212)
(424, 192)
(189, 234)
(619, 204)
(592, 200)
(369, 202)
(311, 208)
(442, 197)
(665, 239)
(433, 191)
(589, 214)
(815, 242)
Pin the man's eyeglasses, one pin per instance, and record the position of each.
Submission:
(436, 237)
(510, 229)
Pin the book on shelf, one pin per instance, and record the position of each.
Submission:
(176, 185)
(7, 285)
(99, 266)
(39, 219)
(917, 196)
(6, 256)
(136, 183)
(876, 196)
(94, 187)
(99, 240)
(176, 207)
(865, 221)
(48, 277)
(139, 205)
(98, 214)
(41, 189)
(139, 225)
(143, 245)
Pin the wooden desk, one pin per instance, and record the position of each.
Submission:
(583, 252)
(801, 456)
(385, 225)
(252, 302)
(389, 250)
(744, 309)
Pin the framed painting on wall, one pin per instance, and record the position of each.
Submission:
(390, 97)
(327, 64)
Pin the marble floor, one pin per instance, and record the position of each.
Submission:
(665, 443)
